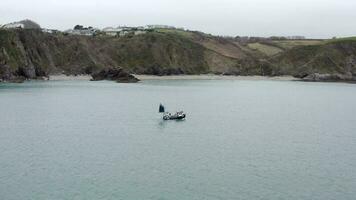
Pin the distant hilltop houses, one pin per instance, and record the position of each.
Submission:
(80, 30)
(89, 31)
(125, 31)
(118, 31)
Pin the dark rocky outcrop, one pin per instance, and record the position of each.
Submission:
(114, 74)
(329, 77)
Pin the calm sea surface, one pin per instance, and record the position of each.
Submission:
(241, 140)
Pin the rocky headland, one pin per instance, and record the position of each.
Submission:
(35, 54)
(114, 74)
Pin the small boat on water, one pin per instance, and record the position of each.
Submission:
(169, 116)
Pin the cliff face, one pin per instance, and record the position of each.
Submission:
(23, 54)
(331, 60)
(31, 54)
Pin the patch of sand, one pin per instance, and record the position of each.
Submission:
(63, 77)
(214, 77)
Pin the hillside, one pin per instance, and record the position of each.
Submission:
(331, 60)
(31, 54)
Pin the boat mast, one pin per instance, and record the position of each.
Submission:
(161, 108)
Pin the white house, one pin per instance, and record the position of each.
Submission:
(51, 31)
(112, 31)
(13, 25)
(127, 28)
(84, 31)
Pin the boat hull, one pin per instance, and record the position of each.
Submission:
(174, 117)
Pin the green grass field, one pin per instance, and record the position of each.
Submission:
(346, 39)
(288, 44)
(267, 50)
(176, 31)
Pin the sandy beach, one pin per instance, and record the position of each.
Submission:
(62, 77)
(214, 77)
(181, 77)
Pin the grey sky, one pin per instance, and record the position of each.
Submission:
(311, 18)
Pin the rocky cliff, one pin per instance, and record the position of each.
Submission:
(332, 60)
(32, 54)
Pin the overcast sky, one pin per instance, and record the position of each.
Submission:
(311, 18)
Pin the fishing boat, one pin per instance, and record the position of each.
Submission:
(169, 116)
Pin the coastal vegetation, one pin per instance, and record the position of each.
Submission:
(32, 53)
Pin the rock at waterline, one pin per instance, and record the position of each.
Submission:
(329, 77)
(114, 74)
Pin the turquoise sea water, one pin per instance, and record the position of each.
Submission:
(241, 140)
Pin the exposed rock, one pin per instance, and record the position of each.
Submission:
(159, 71)
(5, 72)
(328, 77)
(301, 75)
(17, 79)
(28, 72)
(231, 73)
(7, 76)
(114, 74)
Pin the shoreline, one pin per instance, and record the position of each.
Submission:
(63, 77)
(215, 77)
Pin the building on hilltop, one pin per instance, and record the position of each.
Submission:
(80, 30)
(23, 24)
(112, 31)
(13, 25)
(124, 30)
(51, 31)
